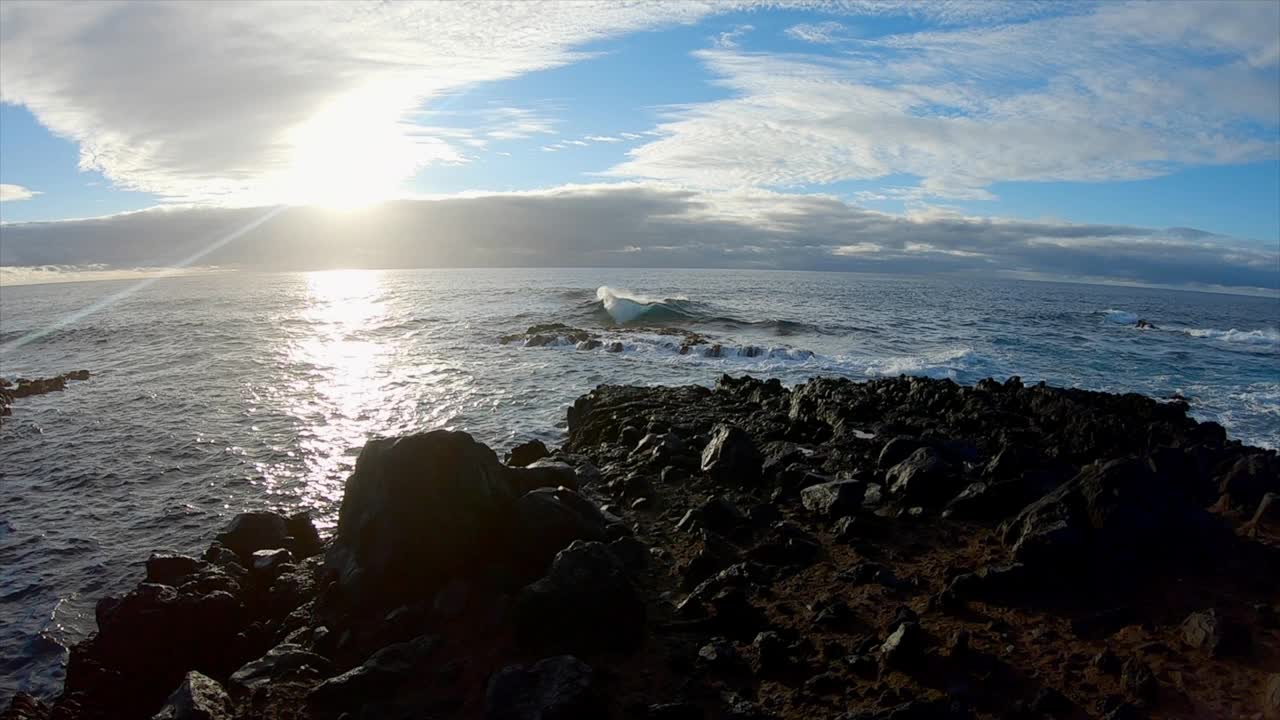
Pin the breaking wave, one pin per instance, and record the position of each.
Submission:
(1265, 337)
(628, 308)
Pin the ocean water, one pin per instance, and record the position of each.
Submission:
(222, 392)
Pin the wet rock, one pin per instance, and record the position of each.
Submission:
(26, 707)
(250, 532)
(544, 473)
(731, 457)
(198, 698)
(527, 452)
(281, 661)
(170, 569)
(304, 539)
(557, 688)
(833, 499)
(270, 562)
(586, 602)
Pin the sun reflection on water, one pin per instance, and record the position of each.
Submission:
(342, 378)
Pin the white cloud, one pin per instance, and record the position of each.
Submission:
(242, 102)
(819, 33)
(730, 39)
(11, 193)
(603, 138)
(1113, 94)
(634, 223)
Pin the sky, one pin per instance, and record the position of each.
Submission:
(1110, 142)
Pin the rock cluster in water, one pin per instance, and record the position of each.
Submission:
(894, 549)
(24, 387)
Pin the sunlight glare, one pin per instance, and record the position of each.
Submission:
(356, 152)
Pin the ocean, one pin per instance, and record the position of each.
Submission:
(221, 392)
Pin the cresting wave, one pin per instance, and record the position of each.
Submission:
(626, 307)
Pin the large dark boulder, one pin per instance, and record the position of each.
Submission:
(417, 511)
(1118, 515)
(549, 520)
(586, 602)
(557, 688)
(731, 456)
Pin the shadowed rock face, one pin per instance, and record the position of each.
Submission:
(888, 549)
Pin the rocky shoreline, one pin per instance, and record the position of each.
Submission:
(24, 387)
(893, 549)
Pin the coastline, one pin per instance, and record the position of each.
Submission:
(890, 548)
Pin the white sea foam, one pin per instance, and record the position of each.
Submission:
(1266, 336)
(625, 306)
(1122, 317)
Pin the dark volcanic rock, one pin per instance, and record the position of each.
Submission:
(527, 452)
(197, 698)
(417, 511)
(586, 602)
(1119, 515)
(252, 531)
(170, 569)
(374, 680)
(551, 519)
(834, 499)
(924, 478)
(279, 662)
(1214, 634)
(557, 688)
(731, 457)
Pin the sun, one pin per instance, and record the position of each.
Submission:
(355, 152)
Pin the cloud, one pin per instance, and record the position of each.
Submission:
(1123, 92)
(251, 102)
(637, 224)
(730, 39)
(820, 33)
(603, 138)
(11, 193)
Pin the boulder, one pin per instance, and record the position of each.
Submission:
(897, 450)
(375, 678)
(541, 474)
(527, 452)
(924, 478)
(280, 661)
(419, 510)
(1271, 697)
(1114, 516)
(716, 514)
(557, 688)
(199, 697)
(834, 499)
(731, 456)
(549, 520)
(26, 707)
(170, 569)
(252, 531)
(304, 539)
(586, 602)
